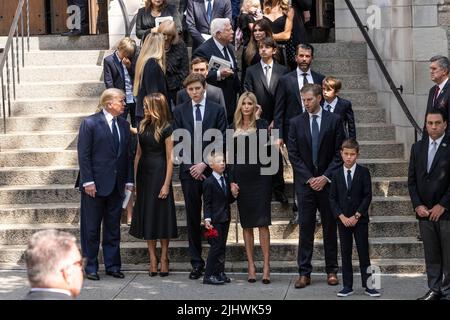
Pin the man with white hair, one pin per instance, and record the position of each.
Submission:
(226, 78)
(54, 266)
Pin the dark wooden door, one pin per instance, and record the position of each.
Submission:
(58, 16)
(37, 16)
(98, 16)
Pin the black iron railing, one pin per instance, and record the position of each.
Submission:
(395, 90)
(11, 55)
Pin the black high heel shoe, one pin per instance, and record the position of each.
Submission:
(152, 273)
(265, 280)
(252, 280)
(164, 274)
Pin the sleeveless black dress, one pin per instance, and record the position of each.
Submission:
(153, 218)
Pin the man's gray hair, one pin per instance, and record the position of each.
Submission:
(45, 254)
(442, 61)
(218, 25)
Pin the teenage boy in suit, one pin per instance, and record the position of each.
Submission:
(350, 197)
(217, 196)
(332, 103)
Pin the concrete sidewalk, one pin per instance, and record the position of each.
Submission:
(177, 286)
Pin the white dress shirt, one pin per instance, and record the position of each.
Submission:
(441, 86)
(438, 143)
(332, 104)
(221, 47)
(206, 6)
(63, 291)
(128, 82)
(202, 108)
(300, 81)
(263, 64)
(319, 119)
(352, 173)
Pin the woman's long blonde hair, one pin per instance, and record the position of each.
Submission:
(284, 6)
(156, 112)
(238, 117)
(153, 47)
(107, 97)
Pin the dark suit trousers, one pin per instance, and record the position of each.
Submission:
(278, 178)
(309, 202)
(436, 243)
(93, 211)
(215, 264)
(361, 234)
(192, 191)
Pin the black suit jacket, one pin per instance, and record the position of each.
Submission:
(432, 188)
(231, 85)
(214, 118)
(45, 295)
(113, 74)
(216, 205)
(299, 146)
(357, 199)
(288, 102)
(344, 110)
(255, 81)
(442, 102)
(213, 94)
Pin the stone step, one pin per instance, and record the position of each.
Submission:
(280, 250)
(10, 176)
(386, 167)
(16, 234)
(337, 66)
(375, 131)
(74, 89)
(50, 139)
(65, 58)
(370, 115)
(45, 122)
(34, 106)
(66, 73)
(38, 157)
(56, 42)
(342, 50)
(381, 149)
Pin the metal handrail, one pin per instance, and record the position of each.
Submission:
(9, 49)
(387, 76)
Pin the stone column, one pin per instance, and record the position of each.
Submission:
(116, 22)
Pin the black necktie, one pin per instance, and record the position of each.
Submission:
(305, 80)
(222, 182)
(198, 114)
(115, 135)
(225, 54)
(315, 139)
(436, 94)
(349, 179)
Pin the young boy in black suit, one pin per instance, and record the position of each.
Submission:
(217, 196)
(332, 103)
(350, 197)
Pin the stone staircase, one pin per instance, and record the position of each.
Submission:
(61, 84)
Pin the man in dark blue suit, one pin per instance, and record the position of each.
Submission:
(199, 17)
(225, 78)
(118, 72)
(196, 117)
(314, 143)
(105, 173)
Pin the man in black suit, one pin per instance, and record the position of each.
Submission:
(118, 72)
(199, 17)
(213, 93)
(439, 94)
(225, 78)
(288, 103)
(104, 156)
(217, 197)
(314, 141)
(429, 189)
(261, 79)
(84, 26)
(196, 117)
(54, 266)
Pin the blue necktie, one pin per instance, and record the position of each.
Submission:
(222, 182)
(349, 179)
(115, 135)
(315, 139)
(198, 114)
(209, 11)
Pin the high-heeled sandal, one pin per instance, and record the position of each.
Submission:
(252, 280)
(153, 269)
(164, 273)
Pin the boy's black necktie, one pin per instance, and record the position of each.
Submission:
(349, 179)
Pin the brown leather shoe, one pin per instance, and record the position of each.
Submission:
(332, 279)
(302, 282)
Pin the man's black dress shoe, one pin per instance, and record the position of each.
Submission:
(92, 276)
(212, 280)
(431, 295)
(222, 276)
(280, 197)
(115, 274)
(196, 273)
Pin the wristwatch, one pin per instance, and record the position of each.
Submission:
(357, 215)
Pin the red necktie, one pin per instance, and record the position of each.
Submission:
(436, 94)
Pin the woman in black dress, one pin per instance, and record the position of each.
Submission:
(150, 72)
(154, 215)
(254, 188)
(146, 17)
(177, 60)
